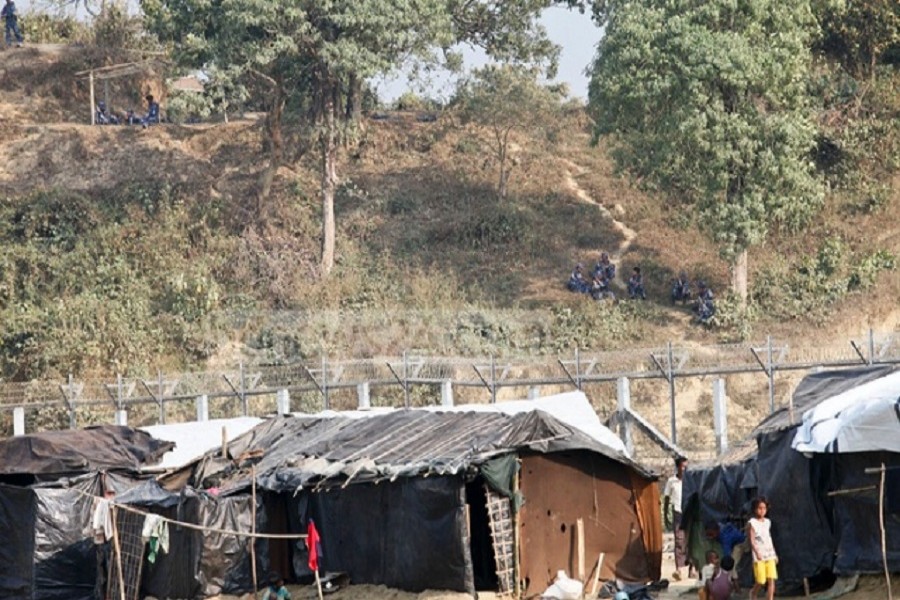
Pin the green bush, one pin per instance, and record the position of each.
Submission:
(484, 229)
(43, 28)
(809, 287)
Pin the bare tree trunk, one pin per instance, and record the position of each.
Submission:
(329, 177)
(739, 277)
(354, 99)
(501, 186)
(275, 142)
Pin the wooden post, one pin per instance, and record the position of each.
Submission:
(884, 560)
(252, 524)
(806, 587)
(596, 581)
(579, 532)
(318, 584)
(517, 524)
(225, 443)
(117, 549)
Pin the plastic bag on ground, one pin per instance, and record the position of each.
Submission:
(564, 588)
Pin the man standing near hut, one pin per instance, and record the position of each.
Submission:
(672, 495)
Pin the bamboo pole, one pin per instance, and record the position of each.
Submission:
(596, 581)
(252, 524)
(225, 443)
(118, 552)
(887, 572)
(318, 584)
(517, 524)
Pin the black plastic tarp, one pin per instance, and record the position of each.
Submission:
(799, 508)
(409, 534)
(856, 515)
(98, 448)
(17, 507)
(198, 564)
(64, 555)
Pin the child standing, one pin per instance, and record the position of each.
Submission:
(759, 530)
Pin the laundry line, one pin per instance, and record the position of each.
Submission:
(203, 528)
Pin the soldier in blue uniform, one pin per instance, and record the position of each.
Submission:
(681, 289)
(11, 19)
(577, 282)
(606, 269)
(600, 288)
(706, 306)
(636, 285)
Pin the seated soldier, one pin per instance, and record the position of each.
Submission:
(681, 289)
(600, 288)
(152, 116)
(606, 269)
(577, 282)
(706, 307)
(103, 116)
(636, 285)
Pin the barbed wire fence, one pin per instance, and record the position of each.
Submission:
(418, 378)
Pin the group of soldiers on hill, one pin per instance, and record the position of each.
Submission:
(598, 286)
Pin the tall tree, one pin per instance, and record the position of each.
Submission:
(316, 53)
(858, 32)
(505, 98)
(707, 102)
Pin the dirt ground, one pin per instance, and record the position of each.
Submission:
(868, 588)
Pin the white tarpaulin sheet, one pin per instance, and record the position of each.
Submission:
(863, 419)
(193, 440)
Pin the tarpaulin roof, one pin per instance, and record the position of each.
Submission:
(814, 389)
(98, 448)
(865, 418)
(193, 440)
(572, 408)
(298, 452)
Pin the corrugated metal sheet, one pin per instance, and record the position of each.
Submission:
(291, 453)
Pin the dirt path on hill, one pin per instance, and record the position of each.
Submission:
(628, 234)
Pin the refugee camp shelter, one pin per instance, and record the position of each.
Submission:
(809, 459)
(463, 499)
(47, 481)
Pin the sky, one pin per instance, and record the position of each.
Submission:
(574, 32)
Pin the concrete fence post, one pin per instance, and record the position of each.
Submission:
(203, 407)
(623, 397)
(534, 392)
(364, 395)
(121, 417)
(447, 393)
(720, 415)
(19, 420)
(283, 402)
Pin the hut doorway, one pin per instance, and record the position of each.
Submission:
(281, 551)
(491, 538)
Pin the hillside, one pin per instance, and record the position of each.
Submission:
(129, 249)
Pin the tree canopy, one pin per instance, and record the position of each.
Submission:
(708, 102)
(317, 53)
(504, 98)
